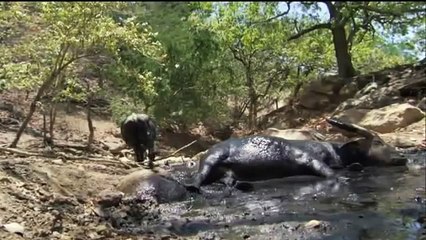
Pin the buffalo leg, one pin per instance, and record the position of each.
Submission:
(140, 153)
(319, 168)
(151, 157)
(210, 170)
(231, 183)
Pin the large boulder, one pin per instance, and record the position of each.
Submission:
(403, 139)
(321, 92)
(383, 120)
(411, 136)
(368, 91)
(386, 87)
(370, 97)
(312, 100)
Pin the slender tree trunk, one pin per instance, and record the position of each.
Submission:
(45, 140)
(343, 57)
(52, 119)
(236, 109)
(33, 107)
(253, 100)
(295, 93)
(58, 68)
(90, 123)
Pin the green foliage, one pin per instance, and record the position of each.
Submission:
(68, 31)
(184, 92)
(189, 62)
(120, 108)
(373, 54)
(256, 48)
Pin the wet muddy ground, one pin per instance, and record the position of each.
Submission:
(54, 200)
(377, 203)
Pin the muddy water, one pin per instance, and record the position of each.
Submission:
(377, 203)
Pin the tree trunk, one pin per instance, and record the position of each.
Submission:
(33, 107)
(343, 57)
(52, 119)
(252, 99)
(235, 107)
(45, 141)
(341, 44)
(90, 123)
(296, 91)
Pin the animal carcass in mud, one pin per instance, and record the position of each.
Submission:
(257, 158)
(139, 132)
(143, 186)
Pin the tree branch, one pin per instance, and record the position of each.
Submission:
(311, 29)
(73, 60)
(274, 17)
(389, 12)
(237, 56)
(285, 71)
(331, 9)
(354, 30)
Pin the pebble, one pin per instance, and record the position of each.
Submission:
(14, 228)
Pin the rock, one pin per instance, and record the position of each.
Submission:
(385, 87)
(415, 87)
(327, 85)
(58, 161)
(313, 224)
(14, 228)
(355, 167)
(372, 100)
(349, 90)
(294, 134)
(109, 198)
(383, 120)
(403, 139)
(314, 100)
(101, 228)
(99, 211)
(176, 160)
(422, 104)
(199, 156)
(112, 143)
(125, 160)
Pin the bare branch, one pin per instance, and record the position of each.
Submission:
(274, 17)
(311, 29)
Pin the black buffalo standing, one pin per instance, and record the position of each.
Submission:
(139, 132)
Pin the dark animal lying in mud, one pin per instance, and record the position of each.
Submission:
(158, 185)
(258, 158)
(139, 132)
